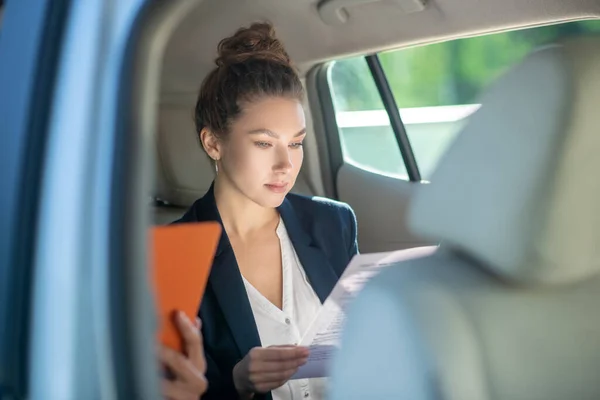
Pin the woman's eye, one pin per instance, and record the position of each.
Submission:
(296, 145)
(263, 145)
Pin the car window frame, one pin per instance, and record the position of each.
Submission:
(28, 79)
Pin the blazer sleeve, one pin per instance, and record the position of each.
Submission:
(220, 385)
(353, 242)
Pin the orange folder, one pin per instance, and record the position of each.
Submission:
(181, 262)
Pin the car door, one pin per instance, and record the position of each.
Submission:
(78, 85)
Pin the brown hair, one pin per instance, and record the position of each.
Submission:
(251, 64)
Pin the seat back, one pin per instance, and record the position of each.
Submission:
(507, 308)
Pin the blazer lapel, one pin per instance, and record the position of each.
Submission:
(319, 271)
(226, 282)
(228, 287)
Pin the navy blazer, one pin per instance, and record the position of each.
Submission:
(323, 233)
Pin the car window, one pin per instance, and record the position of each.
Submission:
(435, 87)
(366, 135)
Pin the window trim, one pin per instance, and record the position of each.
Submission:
(323, 110)
(391, 107)
(325, 113)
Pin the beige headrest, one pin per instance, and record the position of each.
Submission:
(518, 189)
(184, 172)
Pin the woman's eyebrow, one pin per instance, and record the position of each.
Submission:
(262, 131)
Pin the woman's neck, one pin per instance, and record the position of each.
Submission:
(240, 215)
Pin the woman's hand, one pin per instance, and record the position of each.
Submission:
(189, 382)
(265, 369)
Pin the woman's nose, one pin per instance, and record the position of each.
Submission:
(283, 163)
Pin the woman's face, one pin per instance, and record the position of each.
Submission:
(262, 153)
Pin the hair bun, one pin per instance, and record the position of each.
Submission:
(256, 42)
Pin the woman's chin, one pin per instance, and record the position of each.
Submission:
(272, 200)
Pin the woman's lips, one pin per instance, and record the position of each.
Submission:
(277, 187)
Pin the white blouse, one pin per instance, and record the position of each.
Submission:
(287, 326)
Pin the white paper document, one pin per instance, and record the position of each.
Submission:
(323, 336)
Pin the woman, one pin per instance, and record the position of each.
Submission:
(280, 254)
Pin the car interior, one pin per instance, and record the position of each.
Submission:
(317, 34)
(452, 122)
(464, 321)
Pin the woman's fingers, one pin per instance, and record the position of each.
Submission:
(192, 340)
(185, 372)
(275, 366)
(264, 369)
(174, 390)
(280, 353)
(276, 360)
(178, 364)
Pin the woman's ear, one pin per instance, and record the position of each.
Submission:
(211, 144)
